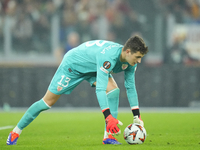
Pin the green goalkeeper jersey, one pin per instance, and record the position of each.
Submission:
(102, 57)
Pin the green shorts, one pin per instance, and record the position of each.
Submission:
(65, 80)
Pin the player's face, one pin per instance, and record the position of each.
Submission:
(134, 58)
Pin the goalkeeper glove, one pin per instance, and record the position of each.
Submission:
(137, 117)
(111, 125)
(138, 120)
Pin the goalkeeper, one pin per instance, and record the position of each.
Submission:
(93, 61)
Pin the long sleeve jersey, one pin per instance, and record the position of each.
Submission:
(103, 57)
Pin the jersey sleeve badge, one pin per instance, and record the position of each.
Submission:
(106, 64)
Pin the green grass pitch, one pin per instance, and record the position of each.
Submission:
(84, 131)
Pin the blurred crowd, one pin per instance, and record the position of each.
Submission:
(29, 21)
(182, 46)
(185, 11)
(82, 20)
(89, 19)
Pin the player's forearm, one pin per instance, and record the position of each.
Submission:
(133, 101)
(132, 97)
(102, 99)
(103, 102)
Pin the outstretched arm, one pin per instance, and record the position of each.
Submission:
(132, 94)
(103, 69)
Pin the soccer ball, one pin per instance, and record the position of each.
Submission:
(135, 134)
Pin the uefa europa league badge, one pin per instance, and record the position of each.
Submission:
(124, 66)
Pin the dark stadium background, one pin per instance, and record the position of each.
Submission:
(35, 34)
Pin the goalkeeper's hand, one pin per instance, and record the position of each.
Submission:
(111, 125)
(138, 120)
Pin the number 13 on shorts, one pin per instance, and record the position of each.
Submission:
(64, 81)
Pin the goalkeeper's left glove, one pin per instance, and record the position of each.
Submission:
(138, 120)
(137, 117)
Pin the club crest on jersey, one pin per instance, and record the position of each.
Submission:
(124, 66)
(59, 88)
(106, 64)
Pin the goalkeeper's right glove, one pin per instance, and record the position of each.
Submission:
(111, 125)
(111, 122)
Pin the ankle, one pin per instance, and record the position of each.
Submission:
(17, 130)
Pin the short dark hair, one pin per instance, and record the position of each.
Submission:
(136, 44)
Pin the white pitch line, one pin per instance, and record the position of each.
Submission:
(6, 127)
